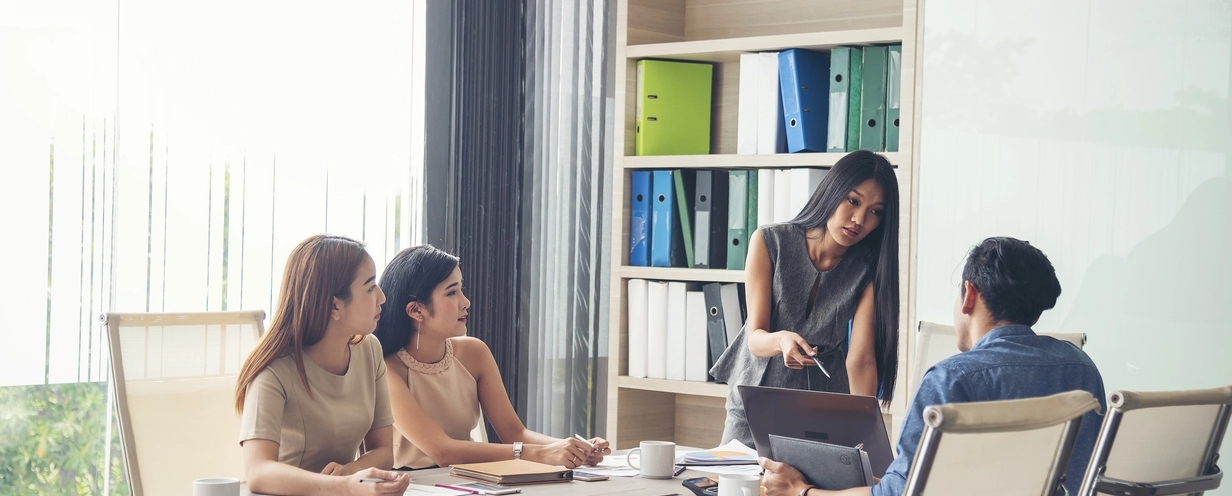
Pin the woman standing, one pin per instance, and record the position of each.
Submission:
(837, 261)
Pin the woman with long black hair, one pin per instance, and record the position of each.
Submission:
(805, 280)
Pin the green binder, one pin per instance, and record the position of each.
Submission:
(873, 99)
(846, 73)
(673, 107)
(894, 83)
(685, 181)
(737, 218)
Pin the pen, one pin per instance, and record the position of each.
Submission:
(369, 480)
(823, 369)
(679, 470)
(582, 439)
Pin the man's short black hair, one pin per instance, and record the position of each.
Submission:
(1015, 279)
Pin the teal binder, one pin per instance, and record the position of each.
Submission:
(873, 99)
(737, 219)
(894, 84)
(752, 204)
(673, 108)
(843, 132)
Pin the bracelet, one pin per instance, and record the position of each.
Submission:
(804, 492)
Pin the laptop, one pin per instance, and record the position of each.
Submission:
(834, 418)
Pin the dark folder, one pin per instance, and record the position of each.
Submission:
(827, 466)
(710, 220)
(716, 327)
(685, 180)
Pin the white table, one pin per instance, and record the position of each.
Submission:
(614, 485)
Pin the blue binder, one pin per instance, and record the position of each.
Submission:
(639, 219)
(662, 218)
(804, 77)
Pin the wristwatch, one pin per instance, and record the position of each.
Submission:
(517, 450)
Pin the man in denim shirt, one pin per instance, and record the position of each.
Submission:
(1007, 284)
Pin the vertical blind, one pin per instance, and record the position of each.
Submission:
(156, 165)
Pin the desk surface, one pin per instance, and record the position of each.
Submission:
(614, 485)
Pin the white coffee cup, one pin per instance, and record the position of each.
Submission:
(739, 485)
(656, 459)
(216, 486)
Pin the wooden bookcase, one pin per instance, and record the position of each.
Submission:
(718, 31)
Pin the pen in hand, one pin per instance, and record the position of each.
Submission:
(582, 439)
(587, 443)
(823, 369)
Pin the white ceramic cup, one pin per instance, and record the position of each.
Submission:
(739, 485)
(656, 459)
(216, 486)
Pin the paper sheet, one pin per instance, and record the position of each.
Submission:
(419, 490)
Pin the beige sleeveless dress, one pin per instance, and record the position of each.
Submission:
(447, 392)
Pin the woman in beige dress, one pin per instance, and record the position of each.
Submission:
(314, 389)
(440, 379)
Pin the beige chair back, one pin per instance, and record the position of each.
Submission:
(174, 377)
(936, 342)
(1009, 448)
(1161, 442)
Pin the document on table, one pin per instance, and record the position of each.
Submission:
(611, 466)
(418, 490)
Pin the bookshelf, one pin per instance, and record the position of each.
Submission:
(718, 31)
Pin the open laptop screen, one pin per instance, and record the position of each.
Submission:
(841, 419)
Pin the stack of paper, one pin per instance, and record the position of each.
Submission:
(732, 453)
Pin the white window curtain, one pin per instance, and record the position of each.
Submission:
(567, 160)
(167, 157)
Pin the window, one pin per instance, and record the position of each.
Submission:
(167, 157)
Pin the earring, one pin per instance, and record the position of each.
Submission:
(417, 340)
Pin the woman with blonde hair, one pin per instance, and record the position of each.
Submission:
(312, 394)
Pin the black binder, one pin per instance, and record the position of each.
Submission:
(827, 466)
(710, 216)
(716, 328)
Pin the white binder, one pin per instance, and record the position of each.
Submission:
(637, 327)
(674, 352)
(656, 330)
(696, 343)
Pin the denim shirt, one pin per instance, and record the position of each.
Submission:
(1010, 362)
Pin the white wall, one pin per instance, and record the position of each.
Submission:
(1099, 131)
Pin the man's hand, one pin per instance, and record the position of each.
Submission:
(780, 479)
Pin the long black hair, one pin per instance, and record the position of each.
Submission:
(880, 249)
(412, 275)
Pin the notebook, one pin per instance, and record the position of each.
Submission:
(512, 472)
(827, 466)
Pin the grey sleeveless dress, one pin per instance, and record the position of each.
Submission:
(822, 322)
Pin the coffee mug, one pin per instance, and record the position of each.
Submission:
(739, 485)
(656, 459)
(216, 486)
